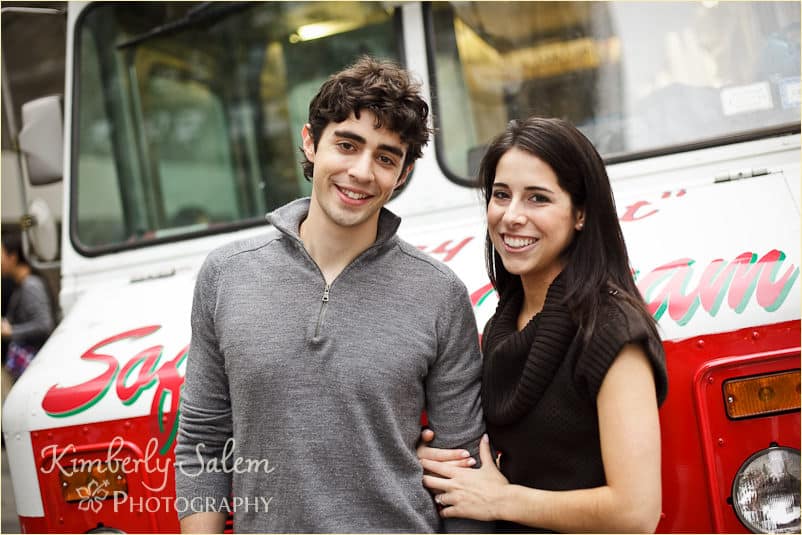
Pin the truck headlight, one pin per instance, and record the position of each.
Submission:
(765, 492)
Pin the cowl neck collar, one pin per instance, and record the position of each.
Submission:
(520, 365)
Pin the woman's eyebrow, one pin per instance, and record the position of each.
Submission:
(527, 188)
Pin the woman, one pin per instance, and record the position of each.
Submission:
(29, 318)
(574, 370)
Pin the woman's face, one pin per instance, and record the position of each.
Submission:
(530, 218)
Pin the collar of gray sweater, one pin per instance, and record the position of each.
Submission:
(288, 219)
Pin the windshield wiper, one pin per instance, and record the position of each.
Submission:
(203, 12)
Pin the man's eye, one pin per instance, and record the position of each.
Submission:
(386, 160)
(345, 145)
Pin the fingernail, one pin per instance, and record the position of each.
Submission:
(465, 453)
(484, 438)
(471, 461)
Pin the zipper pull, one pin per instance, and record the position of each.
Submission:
(326, 294)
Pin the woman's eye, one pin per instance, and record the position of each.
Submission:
(539, 198)
(500, 194)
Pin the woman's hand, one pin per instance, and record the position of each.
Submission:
(452, 457)
(467, 492)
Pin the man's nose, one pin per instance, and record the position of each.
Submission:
(362, 167)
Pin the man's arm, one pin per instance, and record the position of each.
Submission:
(453, 386)
(205, 422)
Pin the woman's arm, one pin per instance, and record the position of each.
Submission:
(630, 443)
(204, 523)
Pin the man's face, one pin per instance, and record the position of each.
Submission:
(357, 168)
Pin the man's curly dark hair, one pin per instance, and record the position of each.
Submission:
(381, 87)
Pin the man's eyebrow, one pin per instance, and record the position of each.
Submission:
(392, 149)
(350, 135)
(359, 139)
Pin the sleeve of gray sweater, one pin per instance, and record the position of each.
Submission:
(30, 315)
(205, 423)
(453, 387)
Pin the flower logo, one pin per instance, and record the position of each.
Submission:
(92, 496)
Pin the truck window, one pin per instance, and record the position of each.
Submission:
(636, 78)
(189, 114)
(31, 71)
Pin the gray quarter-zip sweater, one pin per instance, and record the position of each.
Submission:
(302, 401)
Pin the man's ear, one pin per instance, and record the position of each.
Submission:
(404, 175)
(308, 142)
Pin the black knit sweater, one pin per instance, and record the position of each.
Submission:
(539, 389)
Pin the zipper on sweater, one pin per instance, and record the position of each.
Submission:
(323, 303)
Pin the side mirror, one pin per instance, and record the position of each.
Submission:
(41, 139)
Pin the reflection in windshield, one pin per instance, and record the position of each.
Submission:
(207, 13)
(190, 113)
(633, 76)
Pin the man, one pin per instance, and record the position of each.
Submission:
(314, 349)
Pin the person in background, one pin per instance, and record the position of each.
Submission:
(5, 294)
(574, 371)
(315, 348)
(29, 319)
(6, 381)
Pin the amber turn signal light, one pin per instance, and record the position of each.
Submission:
(92, 481)
(762, 395)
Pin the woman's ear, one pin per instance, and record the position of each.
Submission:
(580, 219)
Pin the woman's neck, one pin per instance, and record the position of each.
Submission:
(536, 287)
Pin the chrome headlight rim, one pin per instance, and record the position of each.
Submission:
(740, 473)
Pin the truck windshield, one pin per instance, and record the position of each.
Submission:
(636, 78)
(187, 128)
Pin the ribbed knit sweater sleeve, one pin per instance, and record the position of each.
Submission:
(620, 324)
(205, 422)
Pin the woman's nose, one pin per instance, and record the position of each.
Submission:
(514, 214)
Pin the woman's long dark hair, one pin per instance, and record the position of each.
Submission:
(596, 261)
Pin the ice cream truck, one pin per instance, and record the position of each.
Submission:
(178, 130)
